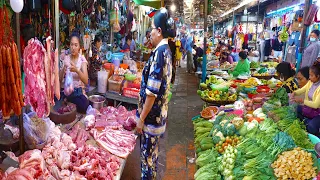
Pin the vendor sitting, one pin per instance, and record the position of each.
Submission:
(126, 46)
(309, 111)
(243, 66)
(226, 57)
(286, 75)
(77, 64)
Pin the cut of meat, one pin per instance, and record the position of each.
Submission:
(20, 174)
(79, 136)
(117, 142)
(35, 77)
(90, 162)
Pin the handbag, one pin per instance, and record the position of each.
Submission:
(310, 112)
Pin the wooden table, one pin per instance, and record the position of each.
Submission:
(119, 98)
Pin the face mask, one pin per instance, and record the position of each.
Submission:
(312, 39)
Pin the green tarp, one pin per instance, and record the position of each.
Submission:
(152, 3)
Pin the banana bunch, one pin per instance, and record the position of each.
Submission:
(250, 82)
(284, 35)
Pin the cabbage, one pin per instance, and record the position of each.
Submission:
(243, 130)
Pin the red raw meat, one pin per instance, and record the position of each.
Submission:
(94, 163)
(117, 142)
(20, 174)
(79, 136)
(35, 78)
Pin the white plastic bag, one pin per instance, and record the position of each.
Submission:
(102, 81)
(36, 131)
(68, 83)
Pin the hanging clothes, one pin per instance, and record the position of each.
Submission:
(267, 47)
(291, 54)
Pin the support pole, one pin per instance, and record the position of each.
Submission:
(204, 59)
(21, 135)
(56, 23)
(257, 24)
(307, 5)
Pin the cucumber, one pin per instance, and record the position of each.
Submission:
(206, 140)
(206, 146)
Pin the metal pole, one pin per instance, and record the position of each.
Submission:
(307, 5)
(21, 135)
(204, 59)
(56, 22)
(257, 24)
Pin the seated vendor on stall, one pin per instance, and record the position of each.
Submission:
(286, 75)
(226, 57)
(309, 110)
(127, 44)
(78, 65)
(243, 66)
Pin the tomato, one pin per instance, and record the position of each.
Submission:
(220, 151)
(229, 141)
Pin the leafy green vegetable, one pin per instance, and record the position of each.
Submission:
(299, 135)
(207, 157)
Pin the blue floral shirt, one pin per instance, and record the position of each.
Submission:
(156, 78)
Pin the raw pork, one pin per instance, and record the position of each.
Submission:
(121, 115)
(35, 78)
(94, 163)
(31, 166)
(79, 136)
(118, 142)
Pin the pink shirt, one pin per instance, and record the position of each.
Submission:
(77, 83)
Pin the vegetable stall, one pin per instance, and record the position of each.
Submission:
(256, 136)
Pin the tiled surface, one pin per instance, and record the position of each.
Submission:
(176, 159)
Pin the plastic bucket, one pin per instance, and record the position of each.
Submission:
(117, 56)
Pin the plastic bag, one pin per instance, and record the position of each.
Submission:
(92, 111)
(68, 83)
(102, 81)
(36, 130)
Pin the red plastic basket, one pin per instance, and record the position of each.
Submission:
(263, 89)
(131, 92)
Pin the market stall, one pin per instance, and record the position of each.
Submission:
(59, 142)
(248, 130)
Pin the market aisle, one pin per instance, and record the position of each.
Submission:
(176, 147)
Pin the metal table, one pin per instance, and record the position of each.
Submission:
(119, 98)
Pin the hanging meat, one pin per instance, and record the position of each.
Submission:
(11, 98)
(41, 76)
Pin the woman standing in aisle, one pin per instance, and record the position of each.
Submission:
(95, 61)
(309, 112)
(311, 52)
(154, 92)
(77, 64)
(178, 52)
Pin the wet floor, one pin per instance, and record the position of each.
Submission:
(176, 159)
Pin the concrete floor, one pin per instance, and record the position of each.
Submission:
(176, 159)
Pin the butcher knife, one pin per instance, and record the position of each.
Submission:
(77, 120)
